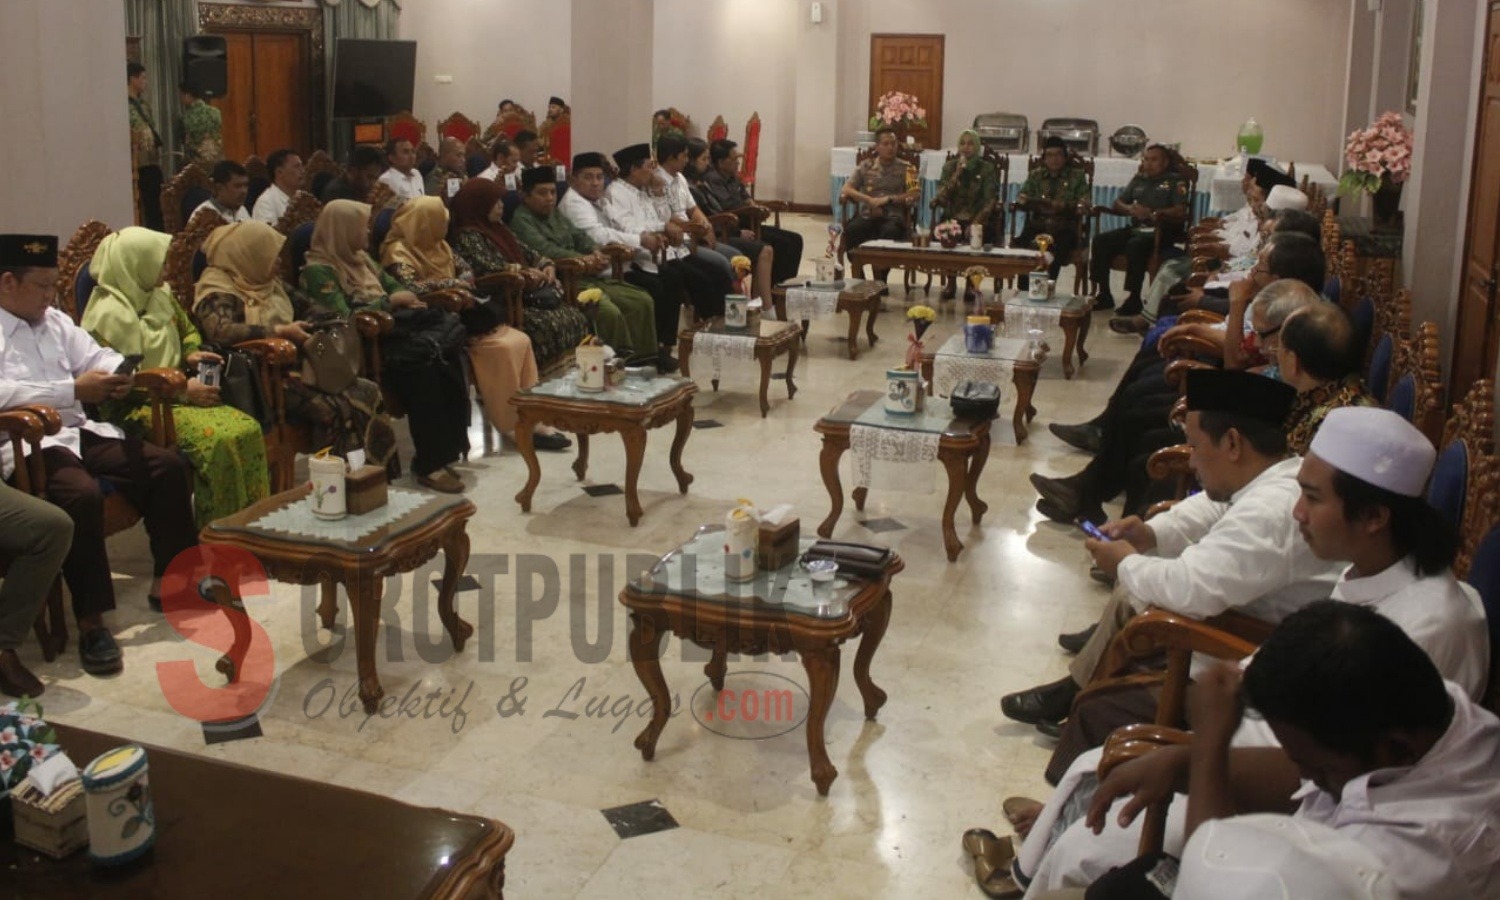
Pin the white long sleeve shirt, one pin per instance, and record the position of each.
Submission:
(629, 209)
(1247, 554)
(271, 205)
(38, 364)
(409, 186)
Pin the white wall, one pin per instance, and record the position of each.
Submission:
(67, 154)
(492, 49)
(612, 71)
(1187, 71)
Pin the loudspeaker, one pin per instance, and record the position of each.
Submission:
(205, 65)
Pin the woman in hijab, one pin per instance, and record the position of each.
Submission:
(239, 298)
(477, 234)
(422, 367)
(131, 313)
(967, 191)
(416, 253)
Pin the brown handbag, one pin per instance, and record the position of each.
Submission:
(331, 357)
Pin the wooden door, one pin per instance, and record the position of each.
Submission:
(1478, 333)
(267, 105)
(912, 63)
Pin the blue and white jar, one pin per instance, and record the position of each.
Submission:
(117, 793)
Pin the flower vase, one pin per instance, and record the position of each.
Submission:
(1386, 205)
(948, 242)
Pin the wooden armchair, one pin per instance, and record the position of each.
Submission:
(751, 162)
(318, 171)
(404, 126)
(1416, 392)
(302, 210)
(381, 197)
(511, 124)
(557, 140)
(182, 193)
(848, 209)
(1080, 260)
(24, 427)
(459, 127)
(718, 130)
(1189, 173)
(1001, 162)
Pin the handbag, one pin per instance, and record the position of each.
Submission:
(859, 560)
(331, 357)
(239, 387)
(975, 400)
(545, 297)
(481, 318)
(420, 338)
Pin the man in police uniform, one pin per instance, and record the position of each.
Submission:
(1156, 198)
(884, 187)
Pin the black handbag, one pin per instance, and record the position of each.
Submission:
(856, 560)
(545, 297)
(420, 338)
(239, 387)
(975, 400)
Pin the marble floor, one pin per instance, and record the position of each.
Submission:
(550, 702)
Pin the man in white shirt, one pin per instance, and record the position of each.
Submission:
(1373, 743)
(672, 159)
(629, 207)
(231, 184)
(403, 178)
(46, 359)
(528, 145)
(286, 180)
(505, 165)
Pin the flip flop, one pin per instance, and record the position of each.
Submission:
(1001, 885)
(981, 843)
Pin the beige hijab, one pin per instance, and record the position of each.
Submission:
(417, 239)
(242, 261)
(339, 241)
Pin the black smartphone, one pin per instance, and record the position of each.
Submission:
(128, 365)
(1092, 530)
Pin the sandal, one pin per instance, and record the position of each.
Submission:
(992, 857)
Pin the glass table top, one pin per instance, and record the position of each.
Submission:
(633, 391)
(696, 571)
(1063, 302)
(768, 328)
(868, 408)
(288, 517)
(1006, 349)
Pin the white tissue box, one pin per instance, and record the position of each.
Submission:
(55, 825)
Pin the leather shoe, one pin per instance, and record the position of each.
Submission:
(98, 653)
(1103, 302)
(556, 441)
(1131, 307)
(441, 481)
(1050, 729)
(1084, 436)
(1060, 492)
(1043, 703)
(17, 680)
(1129, 325)
(1100, 576)
(665, 364)
(1074, 642)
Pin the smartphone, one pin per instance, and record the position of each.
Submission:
(128, 365)
(1092, 530)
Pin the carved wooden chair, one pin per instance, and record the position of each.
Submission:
(318, 171)
(458, 126)
(718, 130)
(1189, 173)
(24, 427)
(994, 225)
(511, 124)
(382, 197)
(182, 193)
(557, 140)
(1080, 260)
(260, 179)
(301, 210)
(1416, 391)
(848, 209)
(406, 127)
(751, 162)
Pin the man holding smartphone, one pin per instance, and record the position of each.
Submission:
(45, 358)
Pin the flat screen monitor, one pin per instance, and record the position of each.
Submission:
(373, 78)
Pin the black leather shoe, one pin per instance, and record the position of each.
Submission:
(665, 364)
(1099, 575)
(1074, 642)
(1131, 307)
(1050, 729)
(1083, 436)
(1103, 302)
(1123, 324)
(556, 441)
(98, 653)
(1062, 493)
(17, 680)
(1044, 703)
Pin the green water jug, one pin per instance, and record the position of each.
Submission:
(1250, 138)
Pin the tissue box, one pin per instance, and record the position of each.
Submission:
(777, 545)
(367, 490)
(55, 825)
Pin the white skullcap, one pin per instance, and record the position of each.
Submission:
(1283, 197)
(1269, 856)
(1376, 446)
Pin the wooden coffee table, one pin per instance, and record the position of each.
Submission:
(771, 340)
(296, 547)
(1071, 314)
(1000, 262)
(779, 612)
(860, 299)
(229, 830)
(632, 409)
(1008, 353)
(963, 449)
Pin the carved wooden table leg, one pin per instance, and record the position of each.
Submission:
(685, 353)
(455, 558)
(645, 655)
(764, 355)
(679, 441)
(718, 664)
(328, 606)
(634, 437)
(218, 592)
(778, 301)
(791, 368)
(822, 665)
(855, 315)
(955, 462)
(860, 493)
(828, 460)
(875, 623)
(525, 428)
(365, 593)
(581, 464)
(1083, 335)
(981, 455)
(1024, 378)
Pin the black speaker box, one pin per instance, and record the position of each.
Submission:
(205, 65)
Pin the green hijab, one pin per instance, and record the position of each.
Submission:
(129, 309)
(977, 161)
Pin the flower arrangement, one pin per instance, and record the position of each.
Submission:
(25, 741)
(742, 267)
(1376, 155)
(948, 233)
(974, 277)
(921, 318)
(588, 301)
(898, 108)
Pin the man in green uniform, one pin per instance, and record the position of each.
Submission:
(626, 319)
(202, 129)
(1155, 199)
(145, 147)
(1052, 196)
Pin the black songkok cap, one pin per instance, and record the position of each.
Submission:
(589, 161)
(1054, 141)
(536, 175)
(557, 101)
(1239, 393)
(632, 155)
(36, 251)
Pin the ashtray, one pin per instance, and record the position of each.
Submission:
(642, 373)
(821, 571)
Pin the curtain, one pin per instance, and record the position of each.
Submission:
(161, 26)
(368, 19)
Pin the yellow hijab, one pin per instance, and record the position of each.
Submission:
(242, 261)
(417, 238)
(339, 241)
(129, 309)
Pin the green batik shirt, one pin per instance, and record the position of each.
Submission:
(972, 195)
(203, 138)
(555, 236)
(320, 285)
(144, 144)
(1071, 186)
